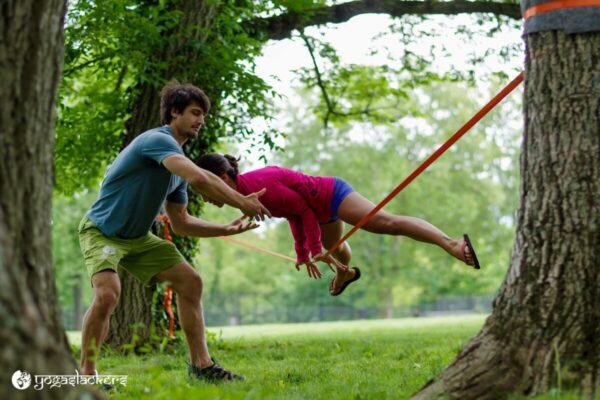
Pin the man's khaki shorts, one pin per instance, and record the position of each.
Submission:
(143, 257)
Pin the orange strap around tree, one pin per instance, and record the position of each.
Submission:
(166, 232)
(464, 129)
(167, 304)
(168, 298)
(558, 5)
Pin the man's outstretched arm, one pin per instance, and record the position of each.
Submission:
(184, 224)
(207, 183)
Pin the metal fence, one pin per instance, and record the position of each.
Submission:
(247, 316)
(444, 306)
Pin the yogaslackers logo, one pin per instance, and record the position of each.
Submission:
(21, 380)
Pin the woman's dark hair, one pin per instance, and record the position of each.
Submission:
(219, 164)
(178, 96)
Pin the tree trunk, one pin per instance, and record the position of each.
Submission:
(31, 333)
(133, 314)
(544, 332)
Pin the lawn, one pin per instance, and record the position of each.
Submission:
(369, 359)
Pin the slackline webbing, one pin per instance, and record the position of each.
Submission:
(251, 246)
(464, 129)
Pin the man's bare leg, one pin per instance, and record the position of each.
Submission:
(107, 288)
(188, 285)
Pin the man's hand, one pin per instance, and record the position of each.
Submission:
(238, 226)
(253, 208)
(311, 268)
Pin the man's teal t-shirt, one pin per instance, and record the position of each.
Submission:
(136, 185)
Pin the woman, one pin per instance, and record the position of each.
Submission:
(316, 208)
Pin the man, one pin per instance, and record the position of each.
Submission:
(148, 173)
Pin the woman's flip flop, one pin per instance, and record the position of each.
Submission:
(355, 278)
(472, 250)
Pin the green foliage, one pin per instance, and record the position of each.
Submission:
(355, 92)
(299, 5)
(111, 52)
(418, 57)
(422, 45)
(107, 48)
(224, 67)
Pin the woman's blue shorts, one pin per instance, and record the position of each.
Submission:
(341, 189)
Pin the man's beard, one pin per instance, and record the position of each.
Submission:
(192, 134)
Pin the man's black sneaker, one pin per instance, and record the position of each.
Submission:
(213, 374)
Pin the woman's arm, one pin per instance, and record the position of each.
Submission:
(302, 251)
(308, 231)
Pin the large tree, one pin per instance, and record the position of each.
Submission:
(32, 335)
(544, 332)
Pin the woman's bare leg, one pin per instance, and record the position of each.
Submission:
(355, 206)
(330, 234)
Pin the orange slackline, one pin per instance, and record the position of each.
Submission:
(168, 300)
(558, 5)
(251, 246)
(480, 114)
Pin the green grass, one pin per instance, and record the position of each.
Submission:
(333, 360)
(374, 359)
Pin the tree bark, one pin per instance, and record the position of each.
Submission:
(133, 316)
(544, 332)
(31, 333)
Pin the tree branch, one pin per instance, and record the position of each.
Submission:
(320, 83)
(331, 105)
(281, 26)
(69, 71)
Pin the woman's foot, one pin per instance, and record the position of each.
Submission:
(342, 279)
(459, 249)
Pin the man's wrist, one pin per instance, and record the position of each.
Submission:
(239, 202)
